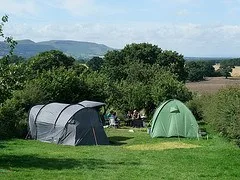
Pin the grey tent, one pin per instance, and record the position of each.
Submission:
(68, 124)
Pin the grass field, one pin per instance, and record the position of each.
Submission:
(131, 155)
(212, 84)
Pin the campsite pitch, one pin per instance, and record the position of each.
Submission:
(214, 158)
(162, 146)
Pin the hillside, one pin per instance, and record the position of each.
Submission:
(77, 49)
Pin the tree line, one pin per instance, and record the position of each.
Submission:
(136, 77)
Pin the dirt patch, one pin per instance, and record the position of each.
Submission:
(162, 146)
(213, 84)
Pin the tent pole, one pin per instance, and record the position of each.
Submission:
(177, 127)
(94, 135)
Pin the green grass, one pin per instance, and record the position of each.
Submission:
(29, 159)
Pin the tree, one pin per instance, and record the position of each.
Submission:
(79, 68)
(113, 65)
(95, 63)
(198, 70)
(49, 60)
(99, 87)
(14, 59)
(12, 75)
(165, 85)
(116, 62)
(195, 72)
(174, 62)
(226, 71)
(142, 52)
(61, 85)
(147, 87)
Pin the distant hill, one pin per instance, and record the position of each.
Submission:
(77, 49)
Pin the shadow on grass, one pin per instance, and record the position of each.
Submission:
(31, 161)
(2, 144)
(118, 140)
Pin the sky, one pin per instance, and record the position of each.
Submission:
(205, 28)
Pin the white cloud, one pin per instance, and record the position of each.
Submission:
(188, 39)
(75, 7)
(17, 7)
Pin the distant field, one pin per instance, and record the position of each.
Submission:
(236, 71)
(212, 84)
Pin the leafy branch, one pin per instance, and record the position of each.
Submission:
(7, 39)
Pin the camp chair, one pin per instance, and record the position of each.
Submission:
(203, 133)
(112, 122)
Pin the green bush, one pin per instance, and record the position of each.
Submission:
(59, 85)
(196, 106)
(222, 112)
(14, 111)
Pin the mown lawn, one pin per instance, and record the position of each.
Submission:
(214, 158)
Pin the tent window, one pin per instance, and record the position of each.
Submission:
(174, 109)
(71, 121)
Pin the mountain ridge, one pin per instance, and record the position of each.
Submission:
(78, 49)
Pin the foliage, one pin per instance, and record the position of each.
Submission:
(196, 107)
(95, 63)
(49, 60)
(58, 85)
(99, 87)
(222, 112)
(79, 68)
(9, 40)
(13, 112)
(227, 65)
(230, 62)
(198, 70)
(173, 62)
(12, 77)
(165, 86)
(146, 88)
(225, 71)
(61, 85)
(14, 71)
(139, 71)
(132, 95)
(113, 65)
(143, 52)
(14, 59)
(115, 62)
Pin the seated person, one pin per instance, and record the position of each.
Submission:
(137, 122)
(135, 115)
(129, 118)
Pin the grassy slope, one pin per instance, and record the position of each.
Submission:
(215, 159)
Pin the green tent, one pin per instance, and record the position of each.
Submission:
(173, 118)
